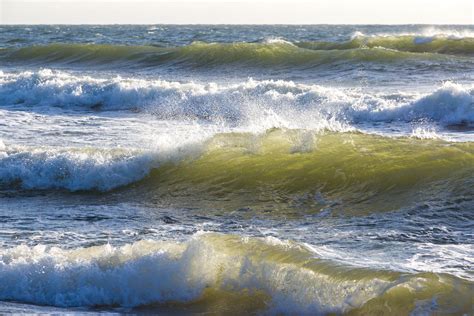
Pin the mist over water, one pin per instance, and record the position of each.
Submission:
(229, 169)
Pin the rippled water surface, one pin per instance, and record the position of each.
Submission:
(237, 169)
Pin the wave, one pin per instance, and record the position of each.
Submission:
(288, 170)
(435, 44)
(265, 54)
(260, 103)
(430, 31)
(300, 172)
(220, 273)
(71, 169)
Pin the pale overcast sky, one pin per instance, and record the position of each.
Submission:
(237, 11)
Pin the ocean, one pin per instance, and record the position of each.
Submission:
(229, 170)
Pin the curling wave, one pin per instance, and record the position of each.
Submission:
(289, 169)
(220, 273)
(266, 54)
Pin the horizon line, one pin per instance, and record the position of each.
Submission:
(242, 24)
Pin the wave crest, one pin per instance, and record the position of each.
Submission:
(259, 103)
(278, 276)
(271, 53)
(288, 169)
(435, 44)
(71, 169)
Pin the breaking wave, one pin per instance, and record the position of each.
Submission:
(288, 169)
(71, 169)
(271, 103)
(219, 273)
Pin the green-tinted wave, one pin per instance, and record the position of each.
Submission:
(407, 43)
(222, 275)
(285, 171)
(201, 54)
(297, 170)
(79, 53)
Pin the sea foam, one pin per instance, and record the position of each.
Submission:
(288, 277)
(269, 103)
(71, 169)
(148, 272)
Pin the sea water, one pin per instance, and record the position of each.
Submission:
(237, 169)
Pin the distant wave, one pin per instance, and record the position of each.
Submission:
(253, 274)
(429, 31)
(260, 103)
(438, 44)
(275, 53)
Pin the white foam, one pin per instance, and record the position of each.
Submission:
(447, 32)
(148, 272)
(257, 104)
(357, 34)
(425, 133)
(277, 40)
(450, 104)
(425, 257)
(427, 32)
(72, 169)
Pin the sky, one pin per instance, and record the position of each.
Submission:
(237, 11)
